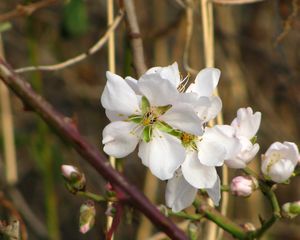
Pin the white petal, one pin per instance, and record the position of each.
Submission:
(119, 139)
(225, 136)
(179, 193)
(132, 82)
(170, 73)
(280, 171)
(246, 123)
(211, 153)
(157, 90)
(114, 116)
(163, 154)
(206, 81)
(197, 174)
(118, 96)
(207, 108)
(292, 152)
(246, 154)
(182, 116)
(215, 192)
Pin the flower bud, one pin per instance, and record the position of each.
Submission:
(291, 209)
(74, 179)
(87, 216)
(279, 161)
(243, 186)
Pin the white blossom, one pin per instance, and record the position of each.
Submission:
(246, 125)
(279, 161)
(144, 112)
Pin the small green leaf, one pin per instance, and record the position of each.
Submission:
(147, 134)
(164, 127)
(163, 109)
(135, 118)
(145, 105)
(168, 129)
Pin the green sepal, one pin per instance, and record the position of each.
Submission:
(147, 134)
(164, 127)
(253, 140)
(163, 109)
(145, 104)
(295, 208)
(135, 118)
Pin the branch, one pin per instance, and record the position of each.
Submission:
(225, 223)
(67, 130)
(96, 47)
(26, 10)
(135, 38)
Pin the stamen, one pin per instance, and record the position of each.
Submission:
(183, 83)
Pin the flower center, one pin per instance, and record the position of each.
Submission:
(149, 118)
(188, 140)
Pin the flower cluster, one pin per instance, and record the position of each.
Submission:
(168, 121)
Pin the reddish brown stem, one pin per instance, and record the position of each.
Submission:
(26, 10)
(67, 130)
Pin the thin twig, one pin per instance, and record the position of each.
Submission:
(67, 130)
(26, 10)
(135, 38)
(96, 47)
(288, 23)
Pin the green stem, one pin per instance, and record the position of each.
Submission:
(95, 197)
(251, 172)
(184, 215)
(222, 221)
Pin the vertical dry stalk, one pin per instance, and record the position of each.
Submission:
(160, 59)
(8, 131)
(135, 38)
(112, 68)
(189, 32)
(208, 44)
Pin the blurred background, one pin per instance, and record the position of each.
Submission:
(256, 48)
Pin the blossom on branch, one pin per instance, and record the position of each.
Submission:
(147, 114)
(246, 125)
(279, 161)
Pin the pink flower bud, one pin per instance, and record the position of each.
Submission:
(74, 179)
(67, 170)
(87, 216)
(243, 186)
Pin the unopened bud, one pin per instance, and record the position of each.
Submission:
(291, 209)
(243, 186)
(248, 226)
(74, 179)
(87, 216)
